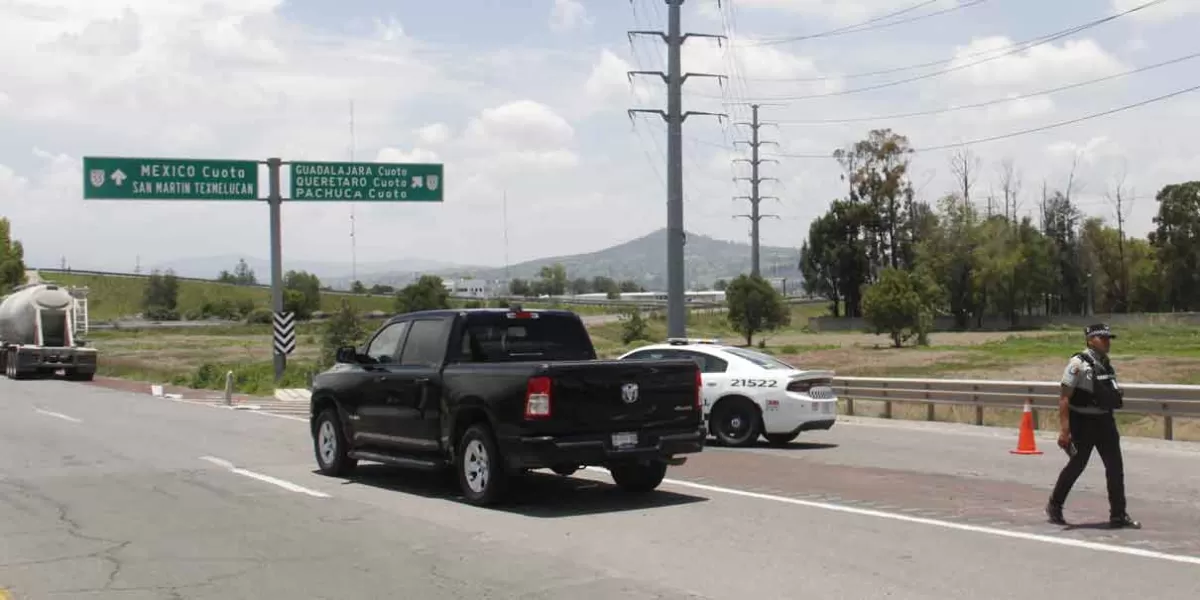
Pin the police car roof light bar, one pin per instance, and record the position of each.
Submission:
(686, 341)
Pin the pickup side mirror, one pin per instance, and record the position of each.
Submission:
(347, 354)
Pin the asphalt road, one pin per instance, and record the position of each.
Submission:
(107, 494)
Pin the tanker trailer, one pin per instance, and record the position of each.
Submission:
(39, 325)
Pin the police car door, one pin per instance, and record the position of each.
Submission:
(712, 373)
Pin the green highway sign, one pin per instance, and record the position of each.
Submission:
(117, 178)
(381, 182)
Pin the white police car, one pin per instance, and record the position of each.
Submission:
(748, 393)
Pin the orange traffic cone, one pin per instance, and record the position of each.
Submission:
(1026, 444)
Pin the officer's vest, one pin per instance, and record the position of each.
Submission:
(1105, 394)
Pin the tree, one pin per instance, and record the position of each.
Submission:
(1176, 239)
(900, 305)
(160, 297)
(633, 326)
(357, 287)
(12, 258)
(580, 285)
(552, 280)
(301, 293)
(876, 170)
(630, 286)
(520, 287)
(720, 285)
(427, 293)
(754, 306)
(381, 290)
(242, 275)
(344, 328)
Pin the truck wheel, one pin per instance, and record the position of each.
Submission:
(736, 422)
(638, 476)
(330, 445)
(481, 473)
(780, 439)
(77, 376)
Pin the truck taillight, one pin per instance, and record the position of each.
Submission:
(699, 390)
(537, 398)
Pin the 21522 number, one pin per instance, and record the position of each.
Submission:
(763, 383)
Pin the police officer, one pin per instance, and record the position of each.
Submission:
(1089, 396)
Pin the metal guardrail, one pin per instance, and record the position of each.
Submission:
(1162, 400)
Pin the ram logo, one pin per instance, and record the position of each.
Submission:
(629, 393)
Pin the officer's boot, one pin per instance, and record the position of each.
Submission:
(1123, 521)
(1054, 512)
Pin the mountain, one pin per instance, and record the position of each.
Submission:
(645, 260)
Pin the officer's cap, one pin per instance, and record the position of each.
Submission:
(1098, 330)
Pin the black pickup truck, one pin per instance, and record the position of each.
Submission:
(493, 393)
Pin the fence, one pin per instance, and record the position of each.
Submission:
(1161, 400)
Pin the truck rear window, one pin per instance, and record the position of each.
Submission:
(499, 338)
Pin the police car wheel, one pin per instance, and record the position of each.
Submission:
(736, 422)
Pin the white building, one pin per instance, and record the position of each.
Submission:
(468, 288)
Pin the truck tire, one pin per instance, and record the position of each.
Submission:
(330, 445)
(479, 467)
(736, 422)
(77, 376)
(638, 476)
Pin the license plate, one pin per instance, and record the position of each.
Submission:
(624, 440)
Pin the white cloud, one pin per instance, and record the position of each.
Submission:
(1074, 60)
(434, 134)
(416, 155)
(568, 15)
(522, 123)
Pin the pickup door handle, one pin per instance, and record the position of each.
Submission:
(422, 380)
(381, 378)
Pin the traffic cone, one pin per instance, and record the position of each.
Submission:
(1026, 444)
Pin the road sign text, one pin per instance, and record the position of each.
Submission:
(367, 181)
(114, 178)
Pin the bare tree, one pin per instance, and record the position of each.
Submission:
(964, 164)
(1010, 186)
(1122, 202)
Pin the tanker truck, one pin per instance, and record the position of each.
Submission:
(41, 331)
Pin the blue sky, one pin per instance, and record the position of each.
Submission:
(528, 99)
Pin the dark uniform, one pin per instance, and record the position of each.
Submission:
(1090, 385)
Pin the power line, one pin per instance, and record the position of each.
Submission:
(1034, 129)
(1040, 42)
(994, 101)
(866, 25)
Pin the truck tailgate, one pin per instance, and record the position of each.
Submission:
(604, 396)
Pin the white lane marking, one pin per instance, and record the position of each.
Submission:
(1035, 537)
(287, 485)
(279, 416)
(57, 415)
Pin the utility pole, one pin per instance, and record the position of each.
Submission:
(755, 198)
(674, 116)
(353, 239)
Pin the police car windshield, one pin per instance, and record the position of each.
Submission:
(765, 361)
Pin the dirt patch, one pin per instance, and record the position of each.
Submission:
(867, 340)
(866, 361)
(1137, 370)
